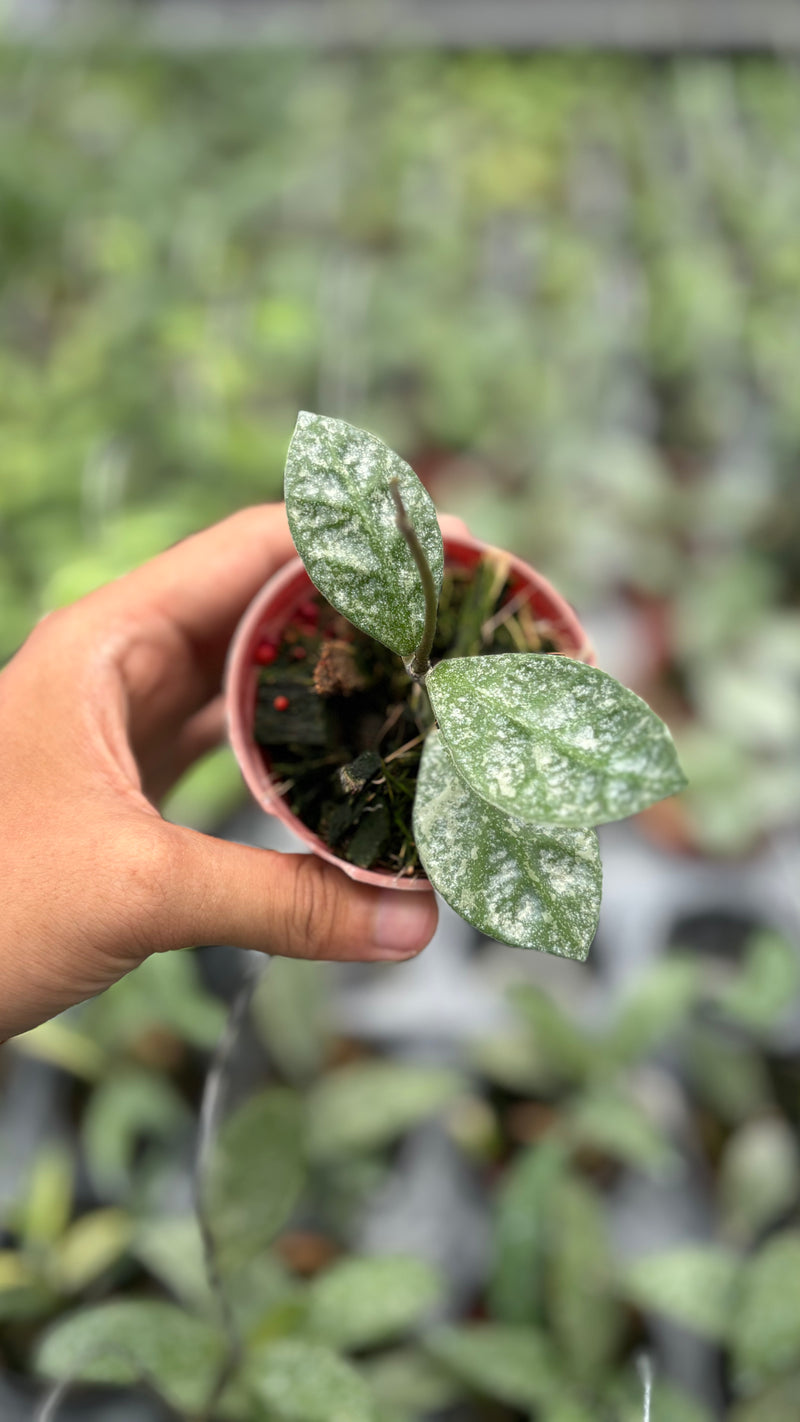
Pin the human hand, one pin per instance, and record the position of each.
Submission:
(104, 707)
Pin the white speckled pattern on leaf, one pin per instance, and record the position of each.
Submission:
(531, 886)
(551, 740)
(342, 519)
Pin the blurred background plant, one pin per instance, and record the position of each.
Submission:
(567, 289)
(546, 280)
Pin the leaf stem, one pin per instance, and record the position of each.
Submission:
(207, 1134)
(419, 664)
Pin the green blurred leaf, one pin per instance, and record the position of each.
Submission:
(307, 1382)
(127, 1108)
(780, 1402)
(615, 1124)
(550, 740)
(289, 1011)
(89, 1247)
(360, 1302)
(765, 1335)
(512, 1061)
(65, 1047)
(728, 1075)
(172, 1250)
(522, 1216)
(515, 1365)
(254, 1175)
(694, 1286)
(531, 886)
(406, 1383)
(367, 1105)
(759, 1176)
(568, 1051)
(47, 1203)
(125, 1340)
(584, 1315)
(268, 1302)
(23, 1293)
(165, 991)
(655, 1010)
(564, 1409)
(766, 985)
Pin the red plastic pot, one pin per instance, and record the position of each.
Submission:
(275, 606)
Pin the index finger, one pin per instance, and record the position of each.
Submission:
(204, 583)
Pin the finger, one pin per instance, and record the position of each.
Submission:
(455, 526)
(295, 905)
(203, 584)
(202, 733)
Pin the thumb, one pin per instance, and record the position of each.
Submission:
(294, 905)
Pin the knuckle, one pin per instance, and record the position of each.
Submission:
(314, 917)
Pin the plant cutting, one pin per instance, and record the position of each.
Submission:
(429, 724)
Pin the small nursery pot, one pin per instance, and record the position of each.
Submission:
(271, 611)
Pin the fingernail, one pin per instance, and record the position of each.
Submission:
(403, 923)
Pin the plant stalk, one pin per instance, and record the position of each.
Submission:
(419, 664)
(207, 1133)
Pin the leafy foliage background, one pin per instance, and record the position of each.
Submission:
(567, 290)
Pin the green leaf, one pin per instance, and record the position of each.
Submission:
(407, 1383)
(655, 1009)
(778, 1403)
(521, 1233)
(759, 1176)
(289, 1011)
(48, 1197)
(132, 1105)
(23, 1292)
(367, 1105)
(509, 1059)
(766, 1325)
(568, 1052)
(268, 1302)
(172, 1250)
(60, 1044)
(361, 1302)
(586, 1319)
(343, 522)
(89, 1247)
(123, 1341)
(551, 740)
(565, 1409)
(531, 886)
(694, 1286)
(164, 991)
(514, 1365)
(615, 1124)
(307, 1382)
(768, 982)
(254, 1175)
(728, 1074)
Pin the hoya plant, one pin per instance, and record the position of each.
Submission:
(523, 752)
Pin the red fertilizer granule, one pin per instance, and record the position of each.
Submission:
(281, 703)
